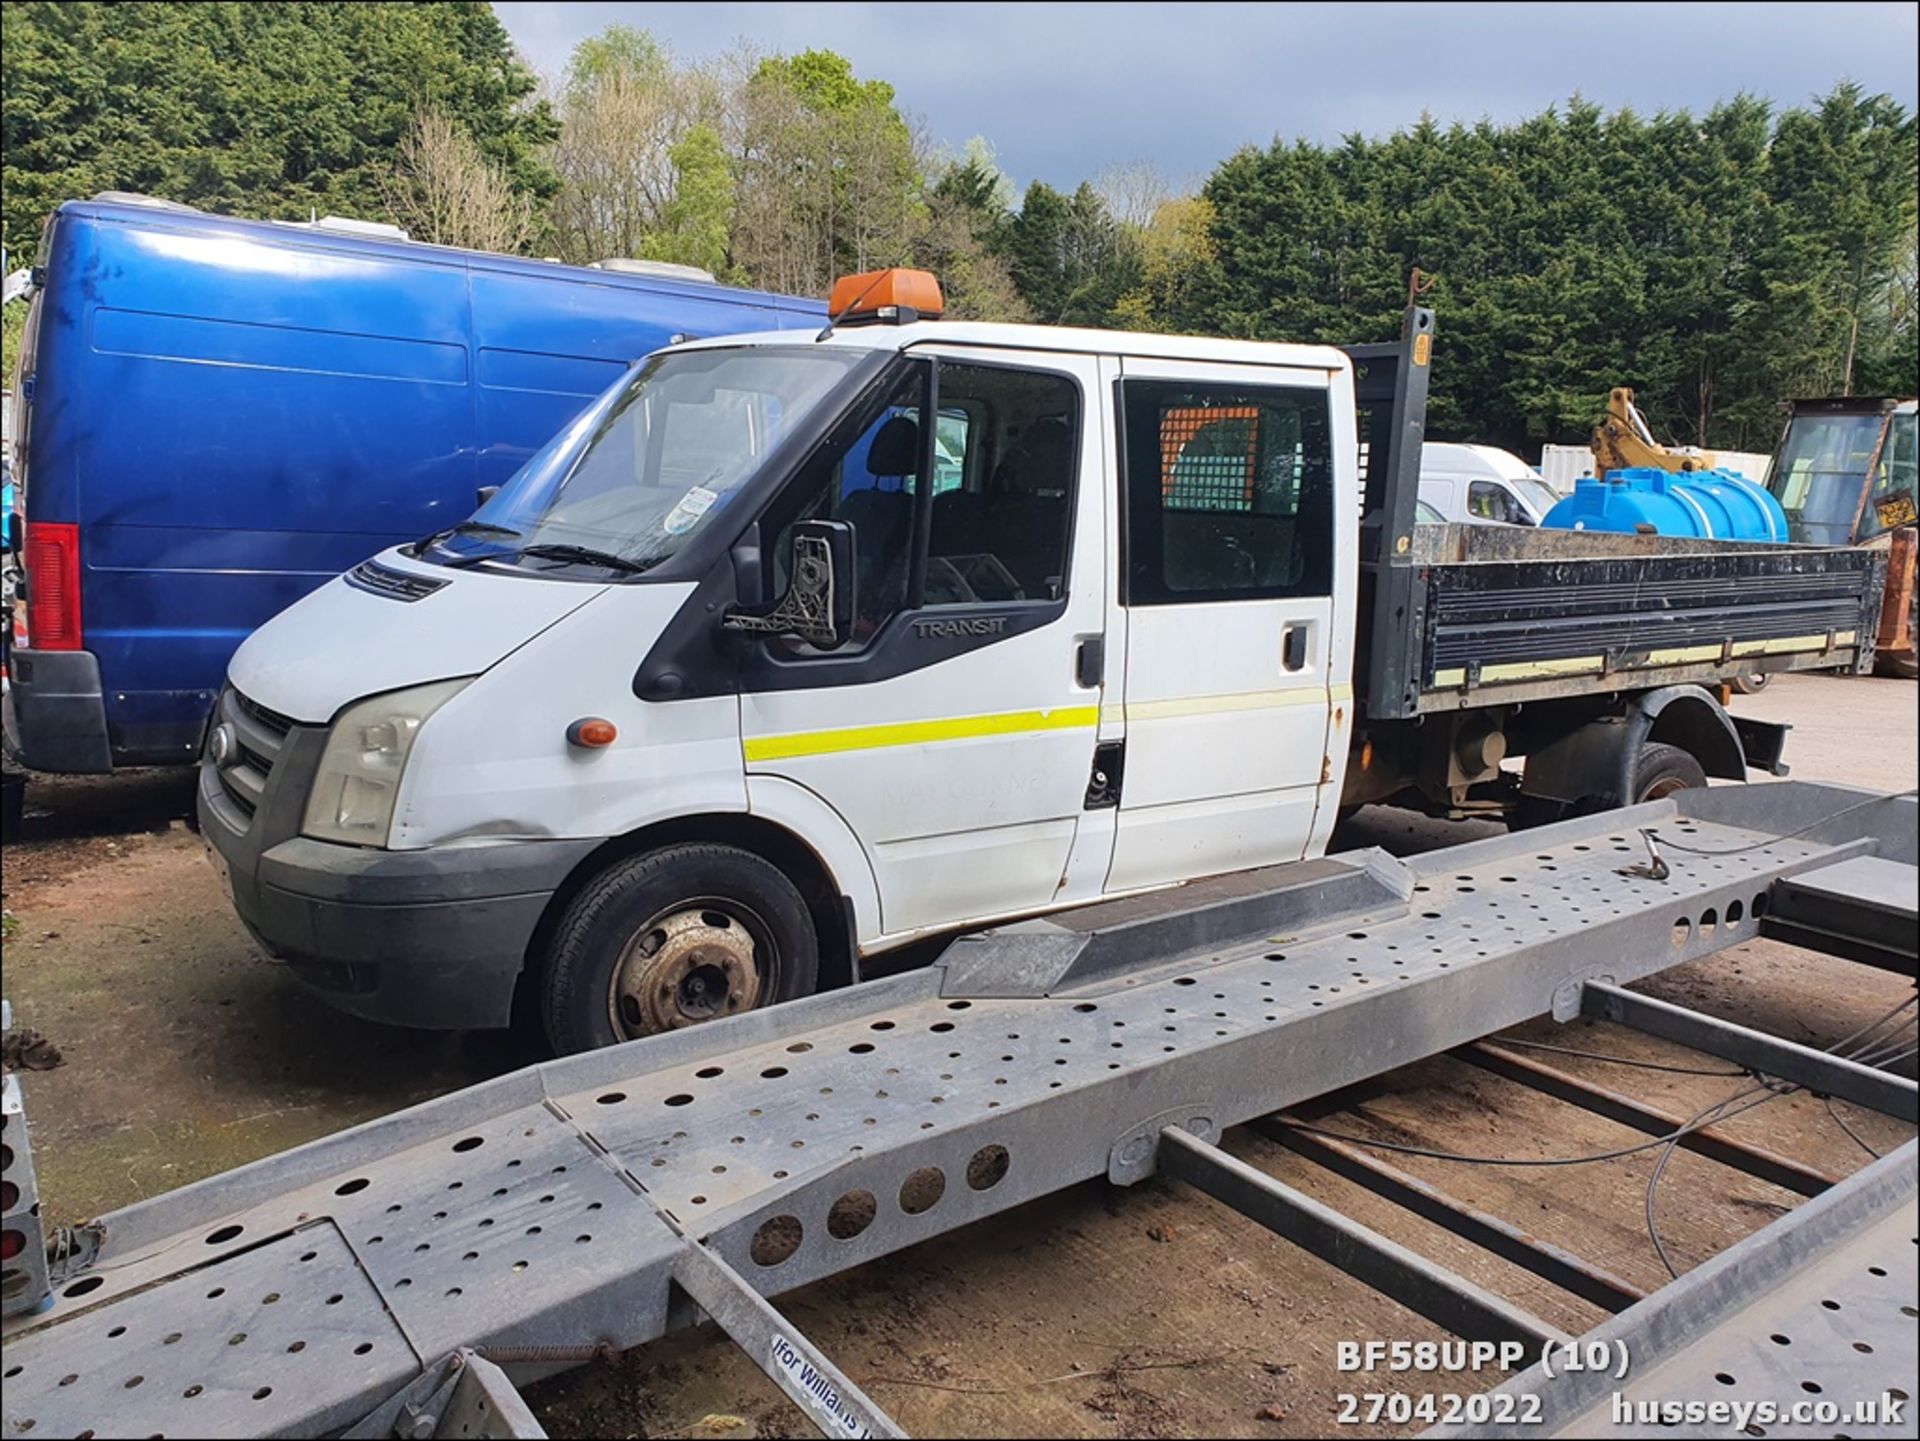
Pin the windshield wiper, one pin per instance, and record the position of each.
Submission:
(465, 527)
(583, 554)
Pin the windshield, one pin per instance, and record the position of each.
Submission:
(654, 461)
(1537, 493)
(1820, 473)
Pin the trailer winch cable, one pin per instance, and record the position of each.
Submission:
(1728, 1071)
(1887, 1051)
(1856, 1046)
(1672, 845)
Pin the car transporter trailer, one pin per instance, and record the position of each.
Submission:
(398, 1278)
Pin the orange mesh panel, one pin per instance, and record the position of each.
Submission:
(1220, 478)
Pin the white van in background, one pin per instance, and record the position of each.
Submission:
(1481, 483)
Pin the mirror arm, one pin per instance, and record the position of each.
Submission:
(806, 610)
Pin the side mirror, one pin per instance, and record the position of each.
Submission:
(818, 607)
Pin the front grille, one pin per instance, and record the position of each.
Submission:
(395, 584)
(258, 734)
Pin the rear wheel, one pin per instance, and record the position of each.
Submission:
(669, 939)
(1661, 770)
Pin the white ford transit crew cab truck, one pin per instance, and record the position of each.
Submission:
(788, 651)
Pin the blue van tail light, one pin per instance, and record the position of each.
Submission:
(53, 585)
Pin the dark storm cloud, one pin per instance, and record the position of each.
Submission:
(1065, 90)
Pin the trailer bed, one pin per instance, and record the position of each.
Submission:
(573, 1208)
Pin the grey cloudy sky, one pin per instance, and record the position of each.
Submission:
(1065, 90)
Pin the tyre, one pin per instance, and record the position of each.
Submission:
(1661, 770)
(671, 938)
(1753, 682)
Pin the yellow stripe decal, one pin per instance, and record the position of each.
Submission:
(1678, 655)
(1524, 670)
(911, 733)
(1236, 701)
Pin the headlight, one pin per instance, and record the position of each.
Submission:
(359, 776)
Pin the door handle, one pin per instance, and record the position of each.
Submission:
(1090, 661)
(1293, 647)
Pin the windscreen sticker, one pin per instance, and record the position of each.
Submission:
(815, 1390)
(687, 511)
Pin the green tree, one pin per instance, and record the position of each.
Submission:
(965, 212)
(1069, 258)
(1176, 250)
(828, 177)
(626, 107)
(1717, 263)
(695, 223)
(268, 110)
(618, 53)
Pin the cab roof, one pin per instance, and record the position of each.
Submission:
(1059, 338)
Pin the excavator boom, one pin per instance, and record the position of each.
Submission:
(1621, 441)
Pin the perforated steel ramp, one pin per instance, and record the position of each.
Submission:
(564, 1208)
(1817, 1310)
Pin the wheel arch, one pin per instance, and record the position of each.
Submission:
(1690, 718)
(1595, 761)
(831, 908)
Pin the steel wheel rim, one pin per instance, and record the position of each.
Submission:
(696, 960)
(1663, 788)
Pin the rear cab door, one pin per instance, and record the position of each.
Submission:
(1239, 575)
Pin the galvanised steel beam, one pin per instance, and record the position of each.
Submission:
(1756, 1161)
(544, 1215)
(1504, 1239)
(1820, 1071)
(1444, 1297)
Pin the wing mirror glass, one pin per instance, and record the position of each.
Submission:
(818, 605)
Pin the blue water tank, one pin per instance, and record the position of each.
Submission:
(1709, 504)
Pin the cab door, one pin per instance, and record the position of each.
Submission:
(954, 734)
(1238, 569)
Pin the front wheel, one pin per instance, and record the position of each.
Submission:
(671, 938)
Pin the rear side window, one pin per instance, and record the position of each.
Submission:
(1230, 492)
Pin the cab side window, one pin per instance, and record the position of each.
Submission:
(995, 510)
(1229, 492)
(1002, 502)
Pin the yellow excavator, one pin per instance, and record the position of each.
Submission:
(1621, 441)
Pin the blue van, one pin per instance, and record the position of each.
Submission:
(214, 416)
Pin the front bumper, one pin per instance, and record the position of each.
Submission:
(55, 712)
(433, 938)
